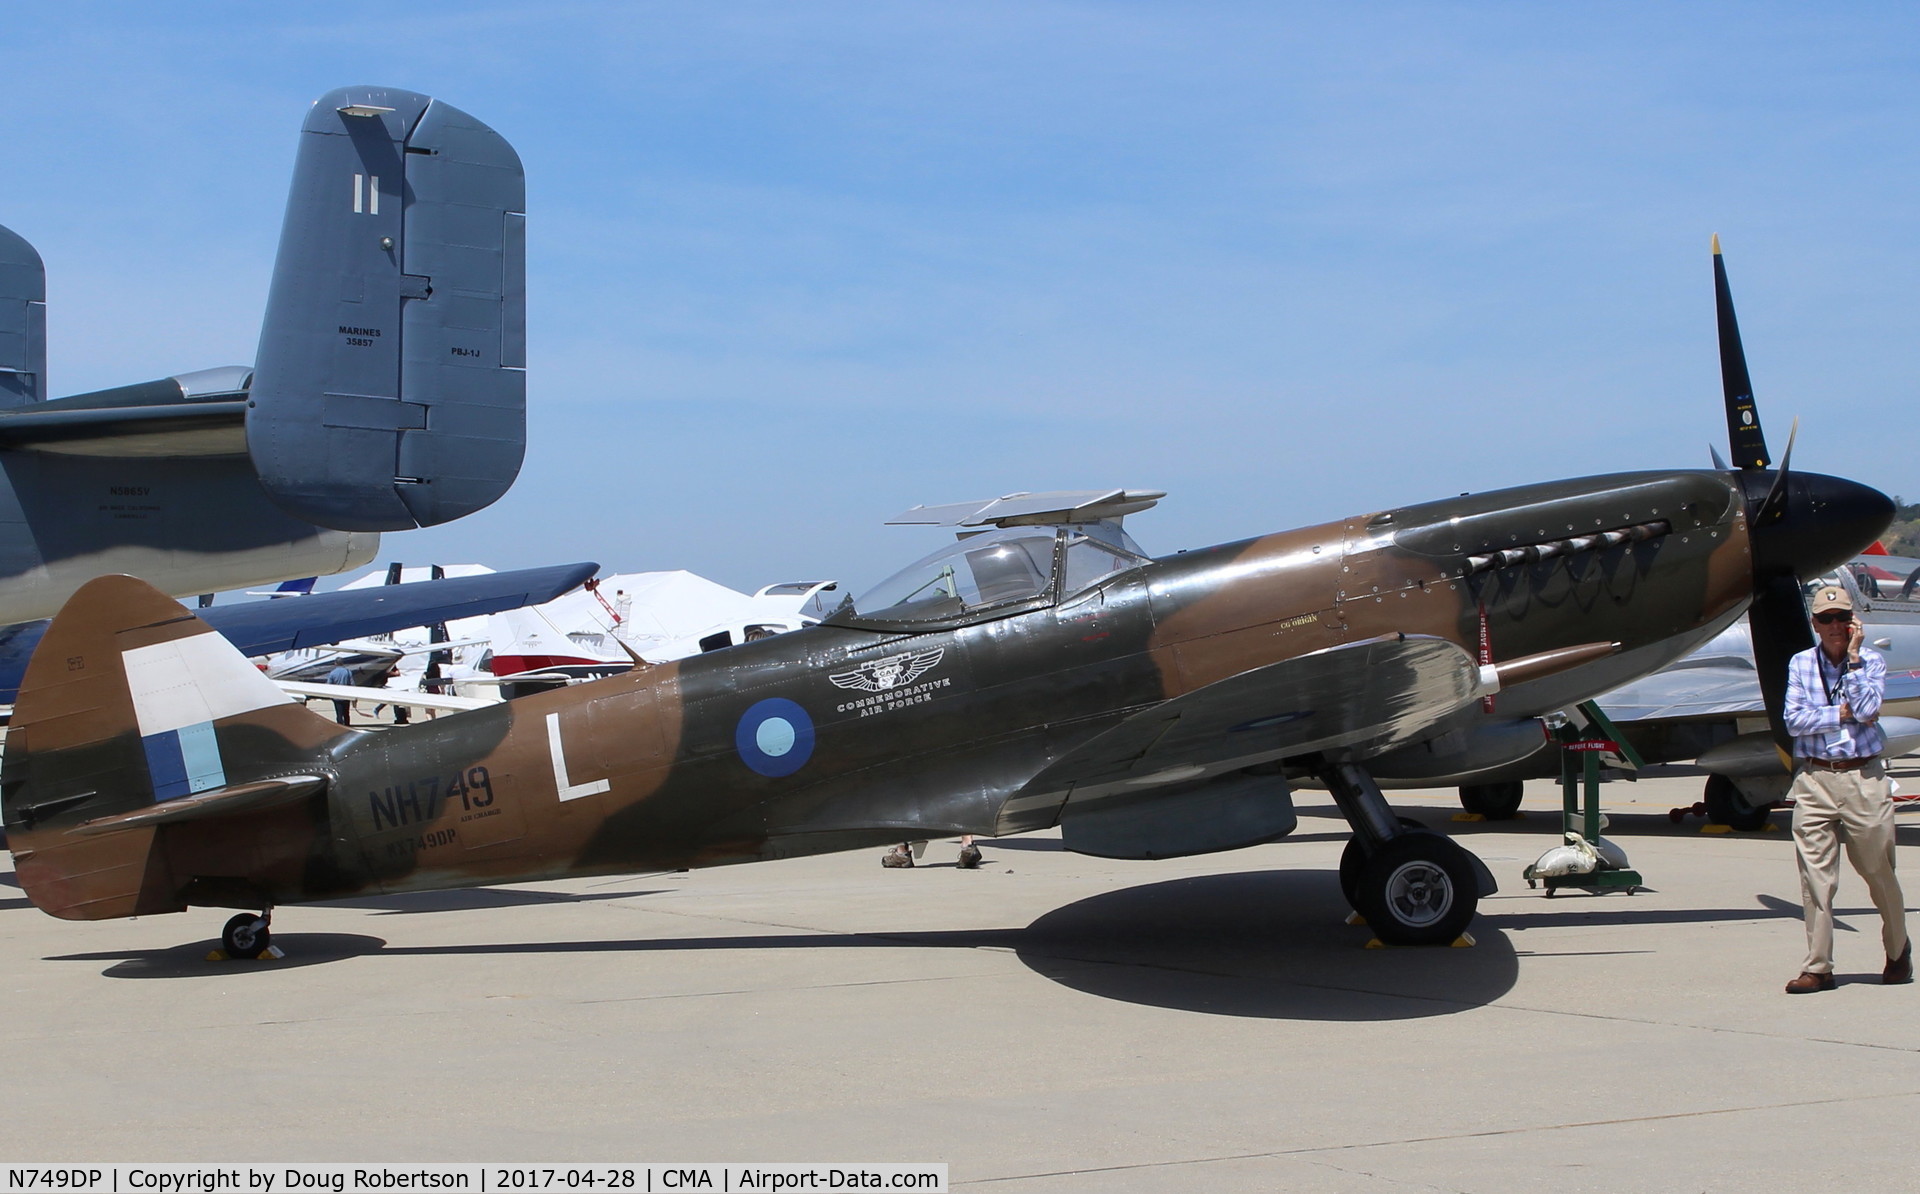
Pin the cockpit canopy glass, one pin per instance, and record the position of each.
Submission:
(991, 571)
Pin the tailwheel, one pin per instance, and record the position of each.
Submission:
(246, 935)
(1417, 889)
(1495, 802)
(1726, 806)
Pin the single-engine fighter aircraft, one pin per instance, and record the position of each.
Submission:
(389, 390)
(1040, 671)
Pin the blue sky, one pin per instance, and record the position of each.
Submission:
(794, 268)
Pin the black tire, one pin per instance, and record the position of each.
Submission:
(1354, 858)
(1725, 806)
(1418, 889)
(246, 936)
(1495, 802)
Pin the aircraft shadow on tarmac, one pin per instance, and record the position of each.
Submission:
(1270, 944)
(190, 961)
(1265, 944)
(468, 899)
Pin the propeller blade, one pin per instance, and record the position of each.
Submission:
(1778, 621)
(1719, 465)
(1744, 437)
(1774, 505)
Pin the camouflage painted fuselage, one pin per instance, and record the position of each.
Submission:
(844, 735)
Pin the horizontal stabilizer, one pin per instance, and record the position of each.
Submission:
(412, 700)
(390, 386)
(203, 413)
(240, 797)
(184, 429)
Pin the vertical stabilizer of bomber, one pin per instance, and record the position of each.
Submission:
(23, 322)
(136, 716)
(390, 386)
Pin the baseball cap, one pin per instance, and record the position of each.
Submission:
(1830, 597)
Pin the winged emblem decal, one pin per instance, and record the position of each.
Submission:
(891, 672)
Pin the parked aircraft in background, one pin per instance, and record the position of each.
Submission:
(593, 630)
(659, 616)
(388, 392)
(1042, 670)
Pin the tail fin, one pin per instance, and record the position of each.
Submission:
(23, 322)
(133, 714)
(390, 387)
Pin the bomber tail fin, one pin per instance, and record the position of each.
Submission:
(133, 715)
(23, 322)
(390, 387)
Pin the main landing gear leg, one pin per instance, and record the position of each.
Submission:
(1413, 886)
(248, 935)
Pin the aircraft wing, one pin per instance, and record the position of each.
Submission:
(263, 627)
(1720, 691)
(1364, 697)
(1723, 687)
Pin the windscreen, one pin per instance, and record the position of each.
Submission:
(976, 573)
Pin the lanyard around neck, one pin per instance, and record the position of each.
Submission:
(1839, 675)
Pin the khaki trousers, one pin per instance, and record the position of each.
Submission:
(1857, 806)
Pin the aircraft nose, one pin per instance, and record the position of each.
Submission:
(1824, 522)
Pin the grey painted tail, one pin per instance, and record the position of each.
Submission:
(23, 322)
(390, 387)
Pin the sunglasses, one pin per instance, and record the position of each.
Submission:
(1832, 616)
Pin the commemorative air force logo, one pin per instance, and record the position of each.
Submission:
(891, 672)
(894, 682)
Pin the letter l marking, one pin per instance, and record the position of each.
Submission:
(568, 791)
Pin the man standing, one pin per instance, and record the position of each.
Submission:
(342, 709)
(1840, 787)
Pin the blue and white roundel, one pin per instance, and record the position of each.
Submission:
(775, 737)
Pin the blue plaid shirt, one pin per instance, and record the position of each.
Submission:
(1816, 688)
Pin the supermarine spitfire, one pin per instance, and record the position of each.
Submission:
(1041, 670)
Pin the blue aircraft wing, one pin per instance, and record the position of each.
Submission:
(262, 627)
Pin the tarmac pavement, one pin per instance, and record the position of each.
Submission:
(1046, 1023)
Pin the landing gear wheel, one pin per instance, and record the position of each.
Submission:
(246, 936)
(1725, 806)
(1353, 860)
(1418, 889)
(1495, 802)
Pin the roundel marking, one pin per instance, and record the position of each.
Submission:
(774, 737)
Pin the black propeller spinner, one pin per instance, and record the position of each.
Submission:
(1799, 524)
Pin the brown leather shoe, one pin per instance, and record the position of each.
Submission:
(1808, 983)
(1900, 969)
